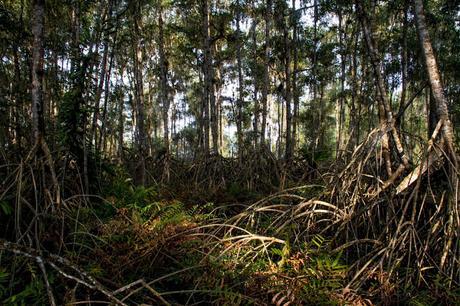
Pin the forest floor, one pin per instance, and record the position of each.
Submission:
(211, 233)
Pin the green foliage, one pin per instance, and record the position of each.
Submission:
(322, 272)
(236, 190)
(202, 212)
(333, 73)
(309, 155)
(33, 294)
(25, 288)
(5, 208)
(441, 290)
(71, 118)
(173, 213)
(283, 254)
(423, 299)
(4, 276)
(327, 273)
(124, 194)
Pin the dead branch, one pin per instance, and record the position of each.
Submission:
(55, 260)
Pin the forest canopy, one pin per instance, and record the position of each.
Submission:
(229, 152)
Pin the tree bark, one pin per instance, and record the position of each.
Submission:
(121, 127)
(99, 89)
(385, 112)
(434, 76)
(256, 83)
(208, 94)
(163, 79)
(38, 122)
(314, 78)
(72, 111)
(287, 93)
(17, 108)
(139, 98)
(102, 137)
(38, 17)
(240, 100)
(295, 90)
(402, 101)
(341, 117)
(266, 80)
(442, 113)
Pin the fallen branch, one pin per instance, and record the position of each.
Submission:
(143, 285)
(432, 159)
(51, 259)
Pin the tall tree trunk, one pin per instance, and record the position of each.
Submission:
(354, 108)
(99, 89)
(121, 127)
(295, 90)
(200, 146)
(213, 105)
(402, 101)
(240, 100)
(217, 109)
(266, 80)
(256, 83)
(341, 119)
(72, 111)
(102, 137)
(219, 119)
(434, 76)
(17, 110)
(164, 90)
(314, 77)
(280, 125)
(287, 93)
(139, 98)
(442, 113)
(386, 116)
(163, 79)
(320, 127)
(208, 95)
(99, 75)
(315, 47)
(38, 122)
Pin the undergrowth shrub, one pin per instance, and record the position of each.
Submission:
(21, 284)
(199, 253)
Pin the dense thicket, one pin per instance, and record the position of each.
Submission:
(176, 118)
